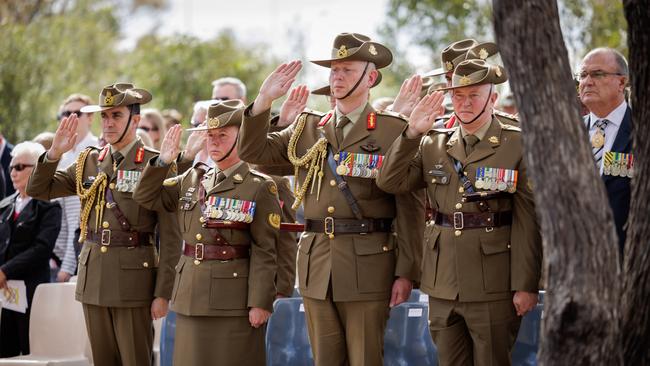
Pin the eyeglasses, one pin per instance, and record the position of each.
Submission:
(20, 167)
(69, 113)
(596, 74)
(147, 129)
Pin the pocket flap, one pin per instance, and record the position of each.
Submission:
(233, 269)
(186, 204)
(306, 241)
(439, 176)
(495, 242)
(137, 258)
(373, 244)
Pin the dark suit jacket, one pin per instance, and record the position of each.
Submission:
(618, 188)
(5, 160)
(26, 243)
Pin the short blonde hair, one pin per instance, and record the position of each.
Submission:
(28, 148)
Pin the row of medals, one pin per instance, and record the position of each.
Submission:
(493, 183)
(619, 169)
(220, 212)
(127, 180)
(360, 166)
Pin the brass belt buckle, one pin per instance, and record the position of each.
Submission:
(198, 251)
(106, 237)
(459, 221)
(329, 232)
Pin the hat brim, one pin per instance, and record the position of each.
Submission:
(231, 121)
(129, 98)
(381, 59)
(436, 72)
(325, 90)
(488, 79)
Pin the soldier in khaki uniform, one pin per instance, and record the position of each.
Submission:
(482, 254)
(360, 250)
(229, 218)
(123, 281)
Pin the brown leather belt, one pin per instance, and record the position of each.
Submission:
(223, 224)
(119, 238)
(216, 252)
(470, 220)
(330, 225)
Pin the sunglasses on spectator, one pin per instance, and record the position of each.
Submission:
(20, 167)
(69, 113)
(147, 129)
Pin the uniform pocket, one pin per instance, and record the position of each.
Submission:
(229, 285)
(375, 260)
(495, 249)
(137, 273)
(304, 251)
(430, 256)
(186, 208)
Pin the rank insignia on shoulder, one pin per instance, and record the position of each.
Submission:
(325, 119)
(274, 220)
(170, 182)
(371, 121)
(139, 156)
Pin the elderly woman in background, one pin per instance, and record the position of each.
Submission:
(28, 230)
(153, 123)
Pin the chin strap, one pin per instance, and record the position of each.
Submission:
(480, 114)
(231, 149)
(127, 125)
(357, 84)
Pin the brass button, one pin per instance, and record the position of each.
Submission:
(234, 274)
(458, 232)
(433, 180)
(331, 236)
(145, 264)
(105, 224)
(199, 236)
(384, 248)
(508, 246)
(461, 189)
(202, 219)
(459, 206)
(197, 262)
(108, 205)
(330, 209)
(111, 186)
(104, 249)
(332, 182)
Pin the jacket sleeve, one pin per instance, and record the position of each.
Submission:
(402, 168)
(46, 182)
(257, 146)
(157, 190)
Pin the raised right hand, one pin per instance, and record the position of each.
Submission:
(276, 85)
(64, 138)
(409, 95)
(171, 144)
(425, 113)
(293, 106)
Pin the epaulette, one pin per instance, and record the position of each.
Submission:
(151, 150)
(446, 131)
(506, 115)
(507, 127)
(394, 115)
(313, 112)
(259, 174)
(445, 117)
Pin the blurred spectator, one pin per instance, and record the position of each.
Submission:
(64, 256)
(144, 136)
(199, 116)
(229, 88)
(5, 158)
(2, 184)
(381, 104)
(152, 123)
(171, 117)
(45, 139)
(506, 103)
(28, 229)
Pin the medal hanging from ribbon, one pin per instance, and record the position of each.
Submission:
(358, 164)
(496, 179)
(126, 180)
(229, 209)
(618, 164)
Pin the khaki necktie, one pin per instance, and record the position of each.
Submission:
(220, 177)
(339, 129)
(470, 141)
(117, 159)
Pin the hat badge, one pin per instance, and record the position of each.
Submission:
(213, 122)
(464, 80)
(498, 71)
(108, 98)
(342, 52)
(372, 50)
(449, 66)
(483, 54)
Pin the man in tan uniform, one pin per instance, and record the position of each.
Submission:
(229, 218)
(360, 250)
(482, 254)
(123, 280)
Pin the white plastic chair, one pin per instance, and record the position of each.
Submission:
(57, 330)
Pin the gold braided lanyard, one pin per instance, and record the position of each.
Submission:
(87, 196)
(312, 161)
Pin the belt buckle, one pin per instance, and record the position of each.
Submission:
(459, 221)
(329, 220)
(106, 237)
(197, 251)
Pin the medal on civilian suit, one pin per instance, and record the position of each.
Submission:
(624, 164)
(630, 169)
(598, 139)
(608, 158)
(616, 169)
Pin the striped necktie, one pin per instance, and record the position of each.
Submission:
(597, 148)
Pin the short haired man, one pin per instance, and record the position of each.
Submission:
(228, 88)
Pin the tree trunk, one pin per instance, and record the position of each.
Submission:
(635, 323)
(580, 325)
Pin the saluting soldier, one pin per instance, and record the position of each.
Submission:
(229, 218)
(123, 280)
(360, 250)
(482, 255)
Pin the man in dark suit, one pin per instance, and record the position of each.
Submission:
(603, 77)
(5, 159)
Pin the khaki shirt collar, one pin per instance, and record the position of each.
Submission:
(125, 150)
(352, 116)
(228, 172)
(480, 133)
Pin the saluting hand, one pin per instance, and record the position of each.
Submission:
(409, 95)
(64, 138)
(425, 113)
(524, 302)
(293, 106)
(276, 85)
(171, 144)
(195, 142)
(258, 316)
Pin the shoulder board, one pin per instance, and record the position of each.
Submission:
(445, 117)
(393, 114)
(201, 165)
(313, 112)
(151, 150)
(507, 127)
(259, 174)
(446, 131)
(506, 115)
